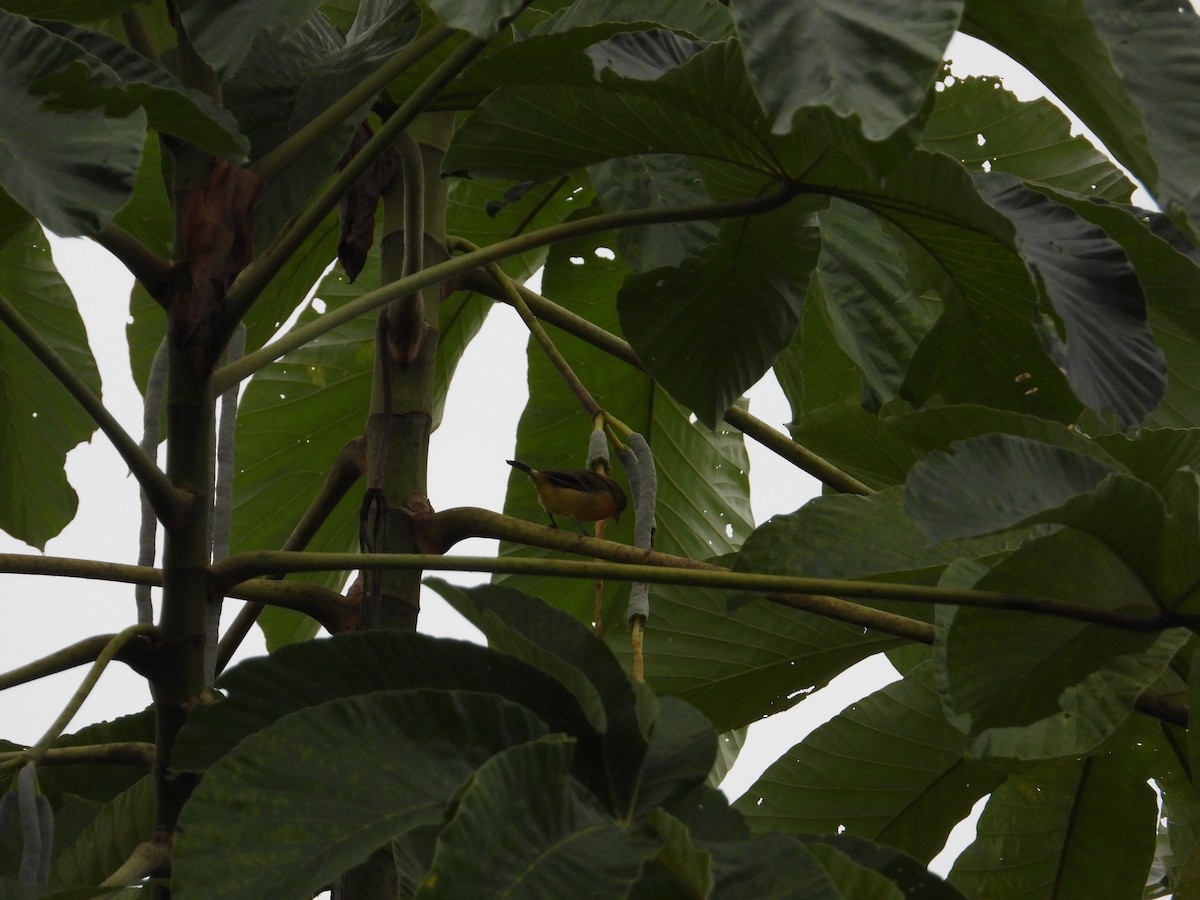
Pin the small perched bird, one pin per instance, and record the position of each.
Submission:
(580, 494)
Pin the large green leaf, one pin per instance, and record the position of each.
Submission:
(70, 10)
(170, 107)
(640, 182)
(1168, 268)
(984, 126)
(913, 879)
(704, 107)
(558, 840)
(264, 689)
(875, 315)
(889, 768)
(852, 879)
(708, 331)
(858, 58)
(1093, 55)
(1075, 829)
(565, 648)
(304, 799)
(681, 754)
(736, 866)
(995, 481)
(1109, 355)
(1061, 687)
(40, 421)
(119, 826)
(480, 17)
(850, 536)
(223, 32)
(42, 145)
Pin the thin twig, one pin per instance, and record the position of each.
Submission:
(68, 657)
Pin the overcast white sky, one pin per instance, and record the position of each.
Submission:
(486, 398)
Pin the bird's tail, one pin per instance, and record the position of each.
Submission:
(517, 464)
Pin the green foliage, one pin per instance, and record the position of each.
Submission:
(966, 311)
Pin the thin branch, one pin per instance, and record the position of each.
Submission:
(118, 753)
(246, 565)
(578, 388)
(233, 373)
(69, 657)
(144, 264)
(52, 734)
(167, 502)
(67, 567)
(799, 456)
(256, 276)
(334, 612)
(275, 162)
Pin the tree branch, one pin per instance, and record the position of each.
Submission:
(168, 503)
(69, 657)
(146, 858)
(797, 454)
(38, 750)
(144, 264)
(233, 373)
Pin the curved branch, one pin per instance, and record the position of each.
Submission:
(69, 657)
(144, 264)
(168, 503)
(233, 373)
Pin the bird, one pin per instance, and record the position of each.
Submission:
(580, 494)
